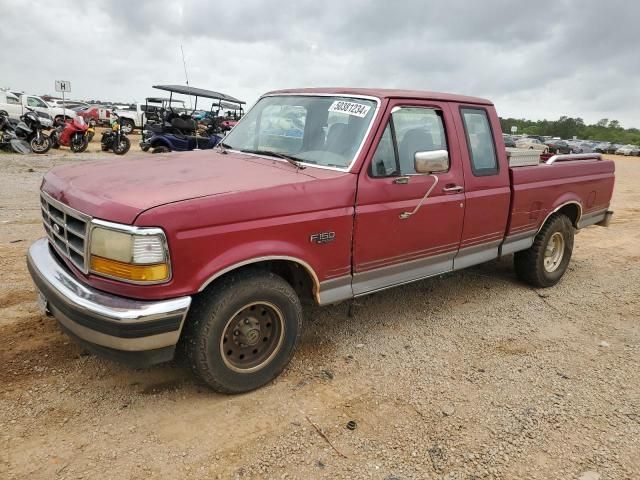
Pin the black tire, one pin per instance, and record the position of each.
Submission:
(127, 125)
(40, 147)
(79, 147)
(4, 113)
(161, 149)
(530, 264)
(213, 314)
(123, 147)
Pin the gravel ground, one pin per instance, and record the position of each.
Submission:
(467, 376)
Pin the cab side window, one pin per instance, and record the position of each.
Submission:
(417, 130)
(410, 130)
(480, 141)
(13, 100)
(384, 163)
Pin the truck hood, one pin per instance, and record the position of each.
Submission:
(118, 190)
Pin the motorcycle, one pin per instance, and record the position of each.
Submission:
(30, 129)
(115, 139)
(91, 131)
(72, 134)
(9, 140)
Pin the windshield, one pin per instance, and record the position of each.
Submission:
(317, 130)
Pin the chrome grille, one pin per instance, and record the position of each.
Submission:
(67, 230)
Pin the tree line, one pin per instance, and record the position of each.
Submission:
(566, 127)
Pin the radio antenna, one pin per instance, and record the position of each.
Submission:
(184, 64)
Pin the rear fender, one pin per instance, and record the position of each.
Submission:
(569, 201)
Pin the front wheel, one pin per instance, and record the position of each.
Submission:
(40, 145)
(122, 147)
(79, 144)
(544, 264)
(242, 332)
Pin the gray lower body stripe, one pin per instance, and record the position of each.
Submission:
(406, 272)
(519, 241)
(476, 254)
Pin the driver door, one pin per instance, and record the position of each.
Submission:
(389, 249)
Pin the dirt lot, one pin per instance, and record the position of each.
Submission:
(468, 376)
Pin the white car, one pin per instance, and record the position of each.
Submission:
(532, 144)
(15, 106)
(628, 150)
(11, 106)
(66, 104)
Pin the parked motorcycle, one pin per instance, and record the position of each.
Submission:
(30, 129)
(9, 140)
(72, 133)
(115, 139)
(91, 131)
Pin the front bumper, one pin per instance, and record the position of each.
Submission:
(138, 332)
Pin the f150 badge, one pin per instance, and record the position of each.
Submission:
(322, 237)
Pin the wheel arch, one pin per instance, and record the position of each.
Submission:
(295, 271)
(571, 208)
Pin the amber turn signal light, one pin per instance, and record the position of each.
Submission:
(126, 271)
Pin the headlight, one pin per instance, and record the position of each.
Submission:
(132, 254)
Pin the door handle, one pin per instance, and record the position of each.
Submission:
(401, 180)
(453, 189)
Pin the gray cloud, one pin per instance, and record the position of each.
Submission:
(534, 59)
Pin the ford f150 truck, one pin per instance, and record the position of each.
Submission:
(320, 194)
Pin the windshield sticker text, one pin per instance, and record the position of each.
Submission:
(350, 108)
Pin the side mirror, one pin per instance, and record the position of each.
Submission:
(436, 161)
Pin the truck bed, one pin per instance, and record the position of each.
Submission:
(584, 185)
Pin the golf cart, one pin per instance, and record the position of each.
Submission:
(178, 130)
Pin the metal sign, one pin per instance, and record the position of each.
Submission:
(63, 86)
(514, 129)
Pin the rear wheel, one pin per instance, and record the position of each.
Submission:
(243, 332)
(544, 264)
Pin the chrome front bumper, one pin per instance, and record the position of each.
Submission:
(135, 331)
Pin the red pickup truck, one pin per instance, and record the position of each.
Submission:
(320, 194)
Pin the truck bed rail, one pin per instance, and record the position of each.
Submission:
(575, 156)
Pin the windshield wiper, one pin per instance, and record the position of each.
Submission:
(289, 158)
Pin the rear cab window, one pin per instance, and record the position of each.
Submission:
(479, 137)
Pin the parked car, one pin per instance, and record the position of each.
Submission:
(134, 117)
(584, 147)
(15, 106)
(97, 113)
(215, 249)
(531, 143)
(72, 104)
(509, 141)
(613, 147)
(628, 150)
(602, 147)
(558, 146)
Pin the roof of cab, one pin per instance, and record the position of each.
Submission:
(389, 93)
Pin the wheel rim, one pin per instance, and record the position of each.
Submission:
(554, 252)
(252, 337)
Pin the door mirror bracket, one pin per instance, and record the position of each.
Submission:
(436, 161)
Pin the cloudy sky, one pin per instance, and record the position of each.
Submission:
(539, 59)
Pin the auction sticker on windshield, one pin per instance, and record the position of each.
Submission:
(350, 108)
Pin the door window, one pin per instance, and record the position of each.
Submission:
(35, 102)
(410, 130)
(12, 100)
(480, 141)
